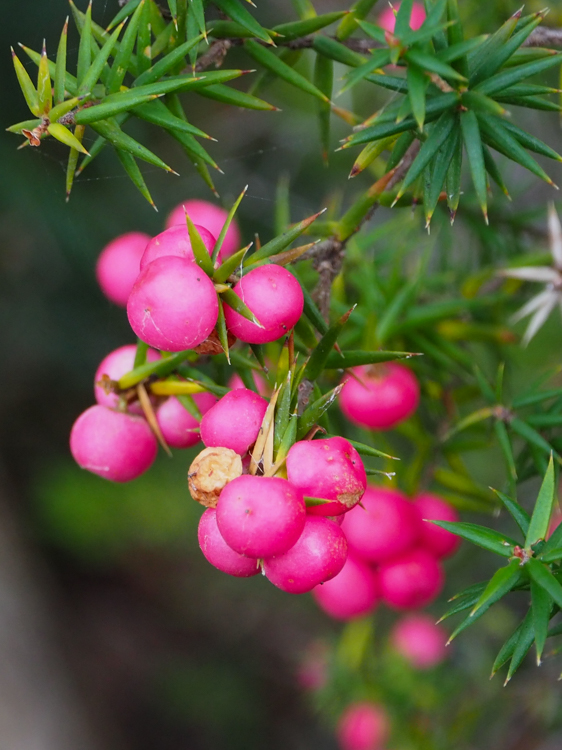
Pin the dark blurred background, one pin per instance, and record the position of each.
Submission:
(114, 631)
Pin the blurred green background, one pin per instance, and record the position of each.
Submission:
(160, 650)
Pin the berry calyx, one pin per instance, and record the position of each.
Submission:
(275, 298)
(318, 555)
(379, 396)
(118, 265)
(173, 304)
(331, 469)
(115, 445)
(260, 516)
(217, 551)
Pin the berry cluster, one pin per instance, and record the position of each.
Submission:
(394, 555)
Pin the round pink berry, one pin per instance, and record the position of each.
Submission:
(379, 397)
(440, 542)
(275, 298)
(385, 525)
(260, 516)
(411, 581)
(330, 469)
(354, 592)
(217, 551)
(113, 444)
(180, 429)
(387, 19)
(317, 556)
(420, 640)
(175, 241)
(363, 726)
(212, 218)
(118, 266)
(173, 304)
(234, 421)
(116, 364)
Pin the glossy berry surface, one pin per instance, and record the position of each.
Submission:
(386, 526)
(318, 555)
(420, 640)
(330, 469)
(354, 592)
(112, 444)
(234, 421)
(439, 542)
(411, 581)
(212, 218)
(175, 241)
(260, 516)
(217, 551)
(275, 298)
(379, 397)
(114, 365)
(179, 427)
(118, 265)
(173, 304)
(363, 726)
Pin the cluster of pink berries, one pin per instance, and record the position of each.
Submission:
(394, 555)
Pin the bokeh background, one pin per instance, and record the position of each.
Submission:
(114, 631)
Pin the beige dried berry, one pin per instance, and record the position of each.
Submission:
(210, 472)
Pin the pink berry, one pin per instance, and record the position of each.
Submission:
(175, 241)
(236, 382)
(180, 429)
(411, 581)
(420, 640)
(212, 218)
(330, 469)
(385, 527)
(173, 304)
(275, 298)
(440, 542)
(354, 592)
(113, 444)
(116, 364)
(217, 551)
(317, 556)
(118, 266)
(387, 19)
(234, 421)
(260, 516)
(381, 397)
(555, 520)
(363, 726)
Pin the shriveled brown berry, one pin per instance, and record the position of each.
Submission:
(210, 472)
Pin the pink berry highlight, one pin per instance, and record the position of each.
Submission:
(260, 516)
(116, 364)
(234, 421)
(420, 641)
(175, 241)
(275, 298)
(387, 19)
(217, 551)
(381, 397)
(173, 304)
(180, 429)
(119, 265)
(385, 527)
(439, 542)
(112, 444)
(354, 592)
(411, 581)
(330, 469)
(212, 218)
(317, 556)
(363, 726)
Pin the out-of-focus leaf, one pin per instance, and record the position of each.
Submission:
(85, 46)
(352, 358)
(501, 81)
(481, 536)
(529, 141)
(236, 11)
(226, 225)
(522, 646)
(60, 65)
(503, 581)
(473, 148)
(323, 80)
(542, 576)
(157, 113)
(348, 25)
(542, 512)
(378, 59)
(417, 85)
(297, 29)
(320, 354)
(541, 605)
(132, 169)
(73, 160)
(528, 433)
(336, 51)
(441, 165)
